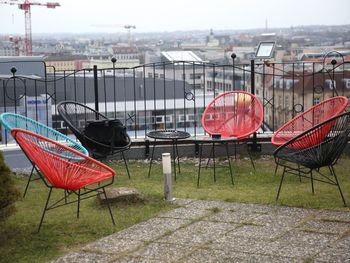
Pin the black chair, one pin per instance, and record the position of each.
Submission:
(307, 162)
(102, 136)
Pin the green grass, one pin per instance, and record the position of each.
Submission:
(62, 232)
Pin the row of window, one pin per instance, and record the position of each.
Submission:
(288, 83)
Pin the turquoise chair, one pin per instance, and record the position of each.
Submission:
(11, 121)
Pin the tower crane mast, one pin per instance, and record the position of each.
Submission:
(26, 6)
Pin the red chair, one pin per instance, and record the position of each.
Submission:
(308, 119)
(316, 162)
(65, 168)
(233, 114)
(231, 117)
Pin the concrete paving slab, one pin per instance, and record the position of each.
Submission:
(215, 256)
(241, 244)
(233, 216)
(330, 227)
(164, 252)
(151, 229)
(80, 257)
(198, 233)
(257, 231)
(338, 252)
(304, 244)
(218, 231)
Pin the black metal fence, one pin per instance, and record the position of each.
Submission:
(171, 95)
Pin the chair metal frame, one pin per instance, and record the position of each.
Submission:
(69, 173)
(307, 162)
(11, 121)
(72, 112)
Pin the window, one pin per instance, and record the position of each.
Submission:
(347, 83)
(280, 101)
(287, 102)
(159, 119)
(317, 100)
(331, 83)
(195, 76)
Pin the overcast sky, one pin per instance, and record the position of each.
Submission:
(78, 16)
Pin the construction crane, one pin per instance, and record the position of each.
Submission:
(26, 6)
(127, 27)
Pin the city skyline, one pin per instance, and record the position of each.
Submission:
(109, 16)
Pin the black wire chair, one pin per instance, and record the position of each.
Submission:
(307, 162)
(78, 117)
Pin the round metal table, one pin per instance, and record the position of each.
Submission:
(169, 135)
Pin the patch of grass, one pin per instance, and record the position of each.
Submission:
(250, 186)
(62, 232)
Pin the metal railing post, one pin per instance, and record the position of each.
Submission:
(252, 77)
(96, 87)
(255, 146)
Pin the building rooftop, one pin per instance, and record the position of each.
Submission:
(181, 56)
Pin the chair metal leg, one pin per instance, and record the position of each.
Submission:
(200, 162)
(150, 163)
(45, 208)
(214, 162)
(276, 168)
(29, 180)
(337, 182)
(78, 205)
(126, 164)
(250, 157)
(109, 207)
(312, 182)
(229, 162)
(279, 188)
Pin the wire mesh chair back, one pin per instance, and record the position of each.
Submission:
(62, 167)
(77, 116)
(11, 121)
(308, 119)
(328, 149)
(233, 114)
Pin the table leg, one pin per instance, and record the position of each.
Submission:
(174, 159)
(210, 156)
(177, 156)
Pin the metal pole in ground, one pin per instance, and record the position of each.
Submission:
(166, 160)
